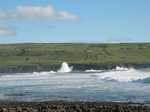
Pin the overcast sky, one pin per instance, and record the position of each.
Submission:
(74, 21)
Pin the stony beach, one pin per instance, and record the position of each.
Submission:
(61, 106)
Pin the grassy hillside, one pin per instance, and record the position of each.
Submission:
(31, 54)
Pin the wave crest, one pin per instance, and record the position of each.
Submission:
(130, 75)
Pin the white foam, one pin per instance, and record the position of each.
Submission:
(121, 75)
(124, 75)
(121, 68)
(44, 73)
(92, 70)
(65, 68)
(52, 72)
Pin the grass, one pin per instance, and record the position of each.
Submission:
(33, 54)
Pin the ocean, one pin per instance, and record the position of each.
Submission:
(117, 85)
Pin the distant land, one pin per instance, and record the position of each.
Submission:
(30, 57)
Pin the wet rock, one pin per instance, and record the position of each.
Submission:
(76, 67)
(73, 107)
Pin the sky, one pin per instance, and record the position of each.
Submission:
(54, 21)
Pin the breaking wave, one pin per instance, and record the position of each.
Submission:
(119, 74)
(92, 70)
(125, 75)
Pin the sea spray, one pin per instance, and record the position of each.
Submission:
(65, 68)
(118, 68)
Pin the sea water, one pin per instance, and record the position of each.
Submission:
(123, 85)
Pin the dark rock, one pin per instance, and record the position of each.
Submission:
(76, 67)
(72, 107)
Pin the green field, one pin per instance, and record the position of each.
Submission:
(44, 54)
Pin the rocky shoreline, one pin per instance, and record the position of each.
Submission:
(61, 106)
(55, 67)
